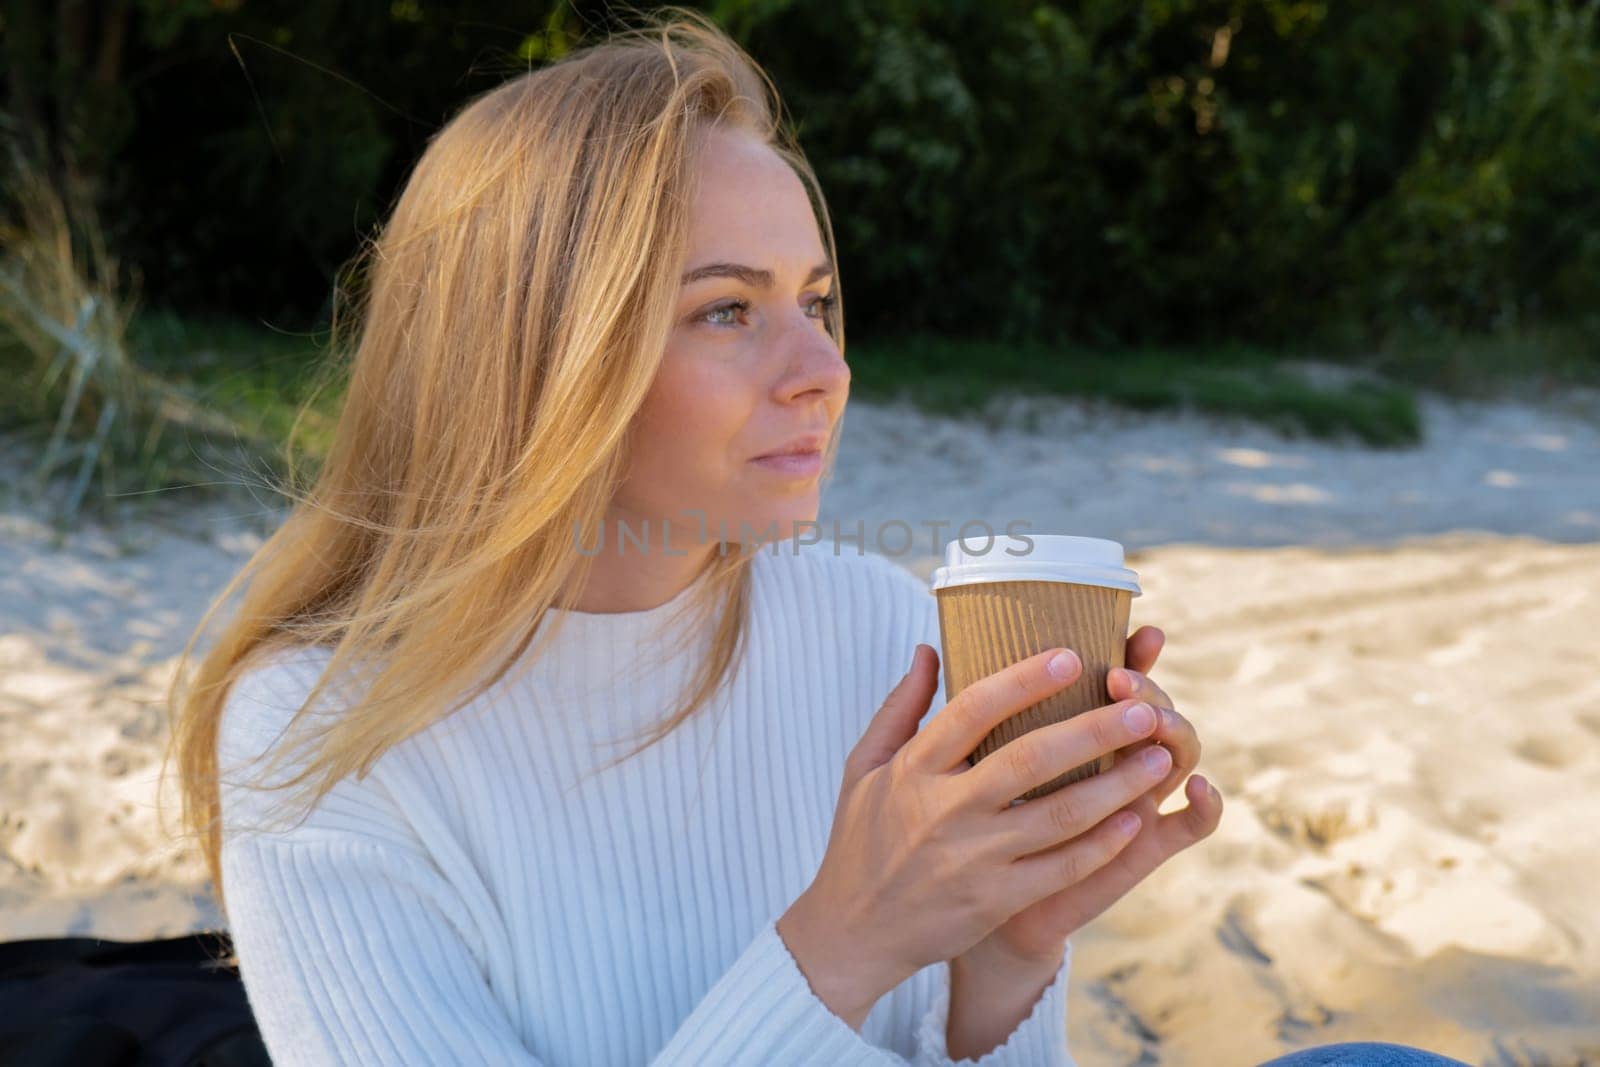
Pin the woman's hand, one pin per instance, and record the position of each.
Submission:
(1033, 940)
(925, 858)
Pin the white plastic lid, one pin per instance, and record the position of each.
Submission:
(1035, 558)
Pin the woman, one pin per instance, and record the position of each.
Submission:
(607, 298)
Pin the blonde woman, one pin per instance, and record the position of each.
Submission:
(608, 299)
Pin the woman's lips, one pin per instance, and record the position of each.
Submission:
(794, 464)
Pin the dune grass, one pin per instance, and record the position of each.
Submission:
(267, 383)
(220, 402)
(954, 376)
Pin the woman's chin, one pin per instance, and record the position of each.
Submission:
(784, 525)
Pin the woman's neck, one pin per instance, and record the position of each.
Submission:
(629, 576)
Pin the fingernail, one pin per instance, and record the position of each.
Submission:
(1124, 676)
(1062, 664)
(1157, 759)
(1139, 717)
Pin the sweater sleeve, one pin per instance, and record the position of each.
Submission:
(354, 954)
(762, 1010)
(1041, 1038)
(356, 947)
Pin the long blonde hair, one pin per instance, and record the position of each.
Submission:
(518, 304)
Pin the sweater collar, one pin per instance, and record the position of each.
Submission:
(669, 622)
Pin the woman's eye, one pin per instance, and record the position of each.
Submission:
(824, 304)
(733, 306)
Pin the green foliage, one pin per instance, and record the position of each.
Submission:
(1201, 169)
(1498, 217)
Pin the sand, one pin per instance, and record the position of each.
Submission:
(1390, 656)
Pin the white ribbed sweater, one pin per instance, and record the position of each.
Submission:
(472, 901)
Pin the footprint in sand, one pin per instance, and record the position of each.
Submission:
(1296, 1023)
(1548, 750)
(1297, 1013)
(1318, 824)
(1286, 754)
(118, 760)
(1237, 936)
(1135, 1032)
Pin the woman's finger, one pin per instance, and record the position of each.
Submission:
(1160, 837)
(1142, 648)
(952, 733)
(1126, 683)
(1178, 736)
(1163, 836)
(1180, 829)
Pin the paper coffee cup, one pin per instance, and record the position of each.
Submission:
(1004, 601)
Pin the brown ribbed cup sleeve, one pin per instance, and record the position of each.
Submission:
(985, 627)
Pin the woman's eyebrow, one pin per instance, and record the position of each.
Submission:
(758, 279)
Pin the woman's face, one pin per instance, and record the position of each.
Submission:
(750, 368)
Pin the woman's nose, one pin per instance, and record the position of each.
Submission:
(814, 365)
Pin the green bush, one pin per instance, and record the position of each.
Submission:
(1196, 170)
(1497, 220)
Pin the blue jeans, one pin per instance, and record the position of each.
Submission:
(1362, 1054)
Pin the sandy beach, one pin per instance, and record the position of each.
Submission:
(1390, 656)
